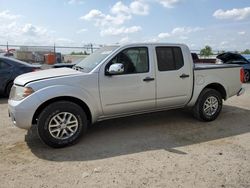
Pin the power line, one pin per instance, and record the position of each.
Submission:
(91, 47)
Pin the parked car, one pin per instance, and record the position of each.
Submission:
(196, 59)
(118, 81)
(235, 58)
(11, 68)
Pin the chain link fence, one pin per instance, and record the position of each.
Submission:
(47, 54)
(59, 54)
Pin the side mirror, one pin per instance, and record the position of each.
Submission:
(115, 69)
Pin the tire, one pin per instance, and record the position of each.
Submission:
(208, 105)
(61, 124)
(246, 75)
(8, 88)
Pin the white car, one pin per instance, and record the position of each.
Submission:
(118, 81)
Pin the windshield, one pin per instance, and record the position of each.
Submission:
(247, 56)
(16, 60)
(90, 62)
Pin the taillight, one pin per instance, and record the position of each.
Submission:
(242, 75)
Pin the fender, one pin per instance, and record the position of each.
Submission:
(55, 91)
(201, 82)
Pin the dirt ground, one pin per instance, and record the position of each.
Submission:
(166, 149)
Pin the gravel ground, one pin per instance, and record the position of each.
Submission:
(166, 149)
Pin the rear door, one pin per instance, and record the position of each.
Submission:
(174, 76)
(132, 91)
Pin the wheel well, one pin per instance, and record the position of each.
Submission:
(65, 98)
(219, 88)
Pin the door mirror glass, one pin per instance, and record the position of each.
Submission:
(116, 68)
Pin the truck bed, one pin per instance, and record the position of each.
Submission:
(227, 75)
(202, 66)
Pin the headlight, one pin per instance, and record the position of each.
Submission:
(18, 93)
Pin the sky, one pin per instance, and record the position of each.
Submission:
(221, 24)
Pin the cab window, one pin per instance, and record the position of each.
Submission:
(134, 60)
(169, 58)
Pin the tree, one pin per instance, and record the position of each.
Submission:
(206, 52)
(247, 51)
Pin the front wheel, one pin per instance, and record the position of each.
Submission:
(61, 124)
(208, 105)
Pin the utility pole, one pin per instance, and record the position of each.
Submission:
(55, 48)
(55, 52)
(7, 47)
(91, 47)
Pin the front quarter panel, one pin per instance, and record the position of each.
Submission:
(55, 91)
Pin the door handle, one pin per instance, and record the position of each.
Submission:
(148, 79)
(184, 76)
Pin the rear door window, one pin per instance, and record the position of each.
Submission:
(169, 58)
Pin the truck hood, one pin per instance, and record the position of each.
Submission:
(44, 74)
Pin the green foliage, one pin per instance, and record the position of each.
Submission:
(247, 51)
(206, 52)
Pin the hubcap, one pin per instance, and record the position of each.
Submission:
(210, 106)
(63, 125)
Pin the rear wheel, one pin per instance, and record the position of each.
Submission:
(246, 75)
(208, 105)
(61, 124)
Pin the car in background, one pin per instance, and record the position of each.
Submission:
(235, 58)
(11, 68)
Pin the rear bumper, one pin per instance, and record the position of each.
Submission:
(241, 92)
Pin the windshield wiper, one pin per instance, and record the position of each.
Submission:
(78, 68)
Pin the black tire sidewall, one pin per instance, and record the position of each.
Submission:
(206, 94)
(248, 72)
(53, 109)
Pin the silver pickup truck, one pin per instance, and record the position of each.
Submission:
(118, 81)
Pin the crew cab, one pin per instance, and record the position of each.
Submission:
(118, 81)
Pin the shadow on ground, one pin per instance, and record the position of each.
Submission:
(3, 100)
(165, 130)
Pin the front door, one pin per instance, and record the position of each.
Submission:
(133, 90)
